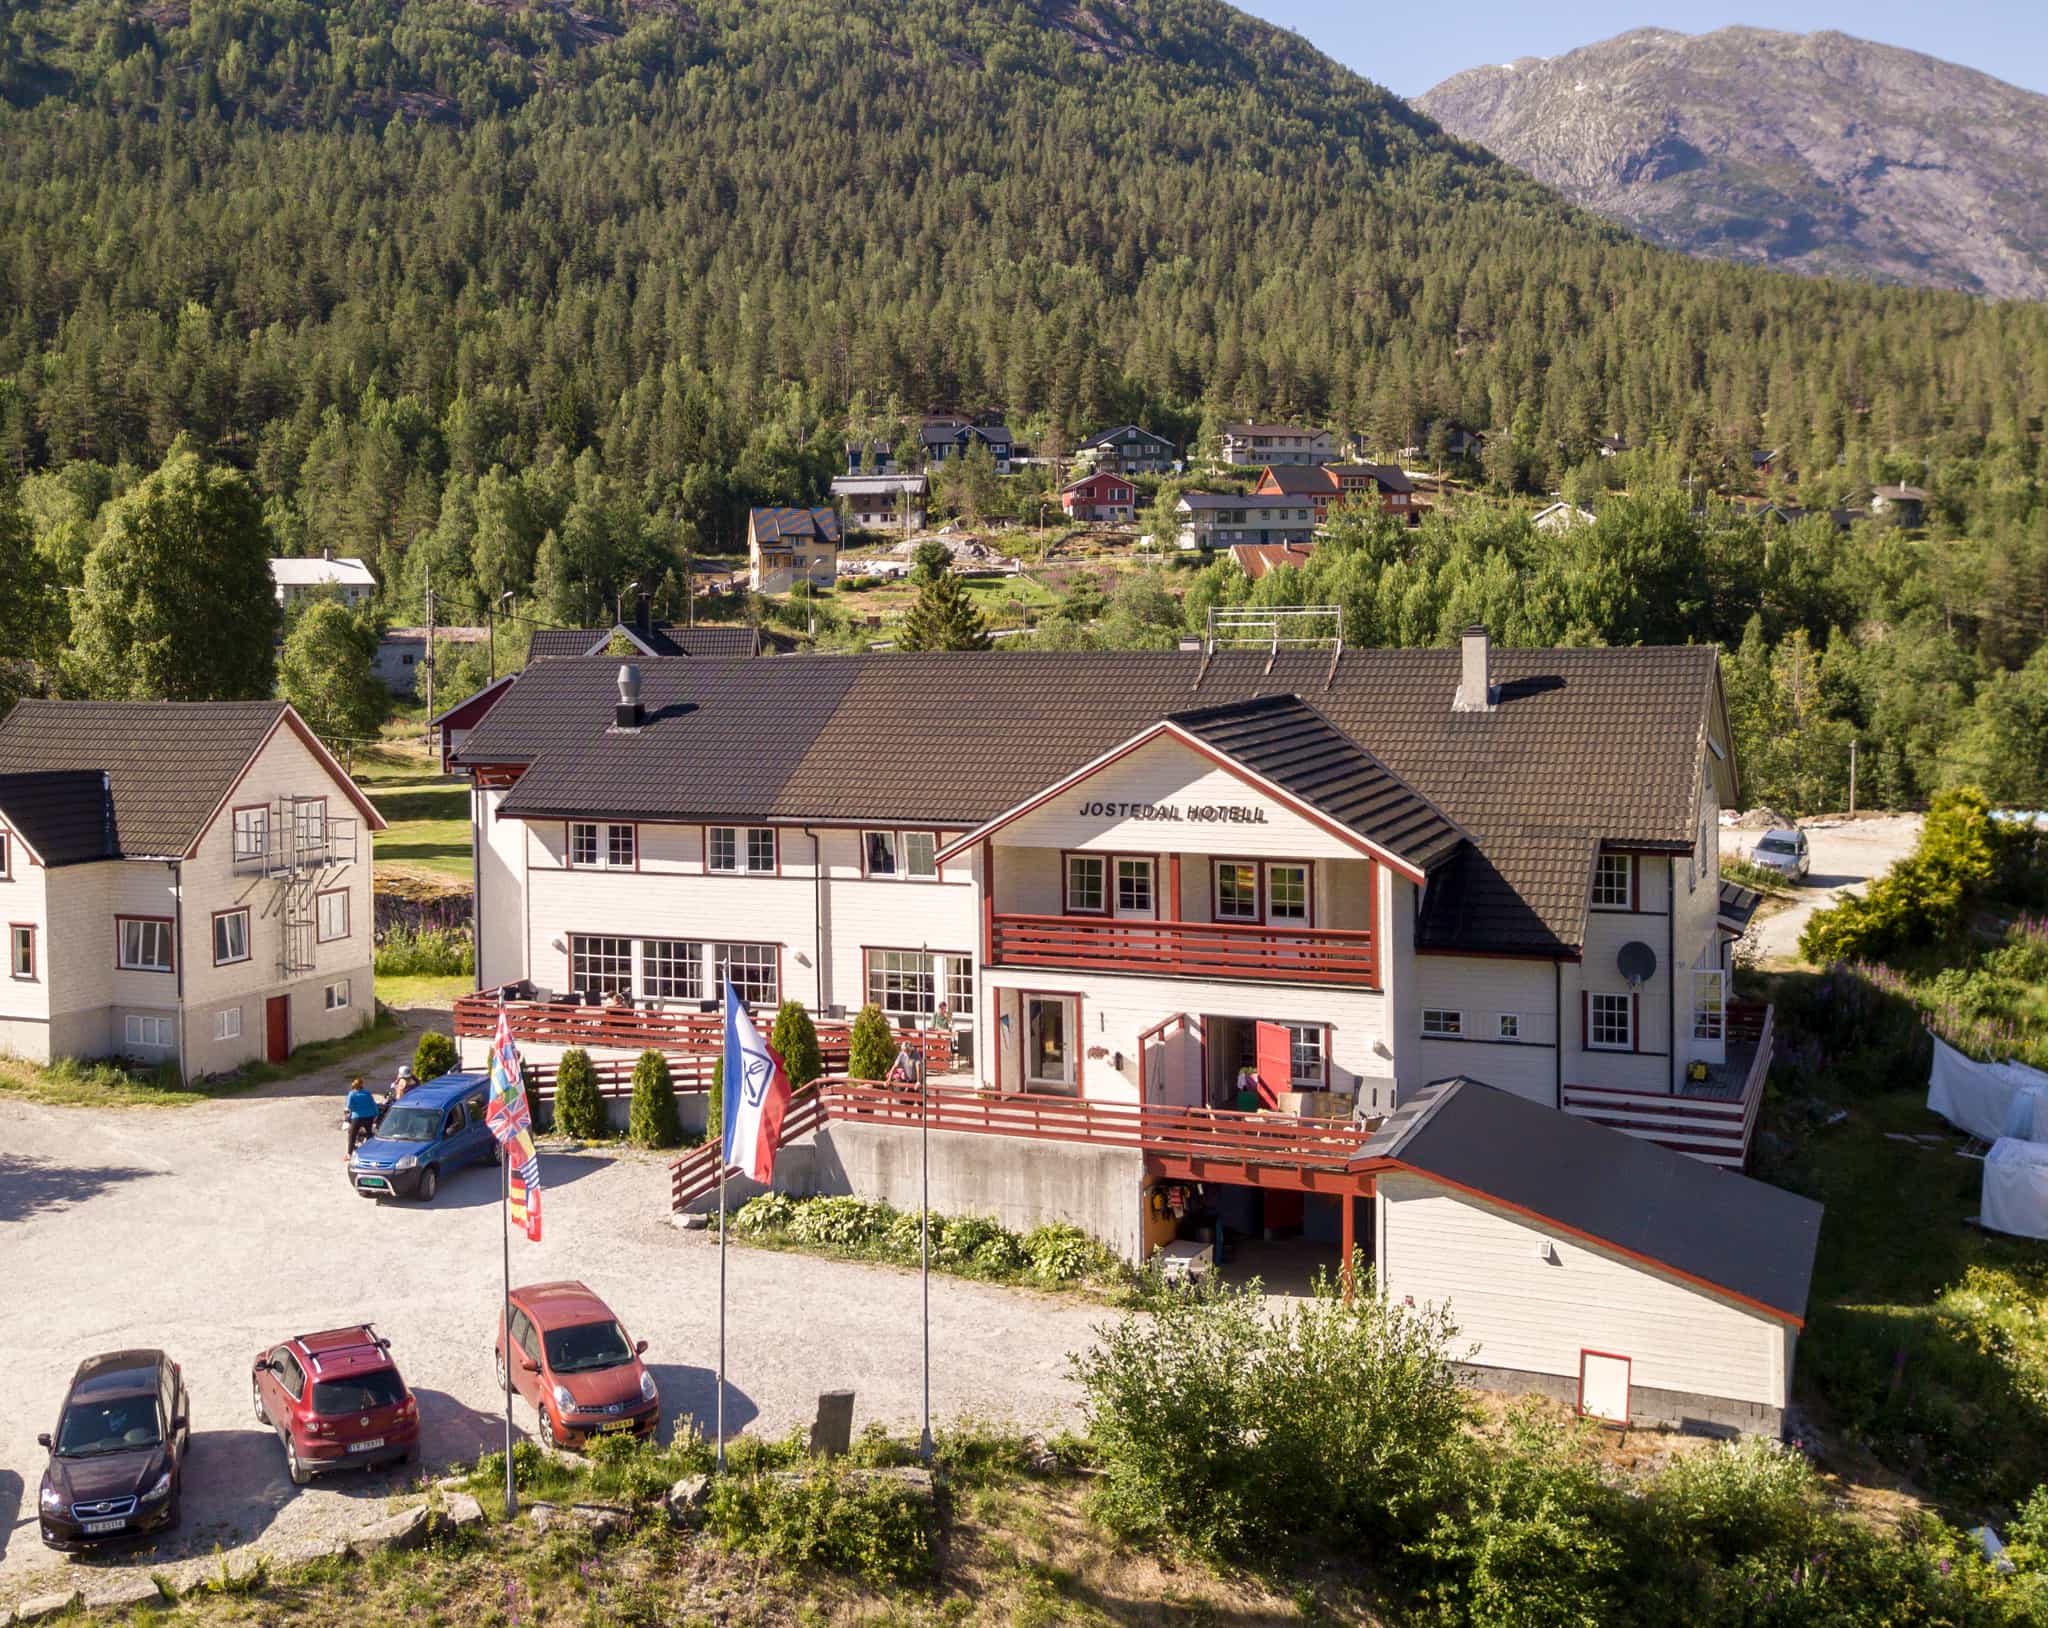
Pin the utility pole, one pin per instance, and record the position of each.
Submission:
(427, 733)
(1852, 774)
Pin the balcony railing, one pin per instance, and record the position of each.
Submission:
(1187, 949)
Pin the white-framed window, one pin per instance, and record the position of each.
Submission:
(1614, 882)
(148, 1031)
(230, 937)
(21, 950)
(905, 984)
(252, 833)
(672, 969)
(332, 920)
(1308, 1056)
(145, 943)
(1509, 1025)
(740, 850)
(601, 847)
(1237, 891)
(1442, 1020)
(6, 856)
(878, 852)
(336, 995)
(600, 965)
(920, 856)
(912, 855)
(1610, 1022)
(1287, 893)
(1710, 1005)
(1087, 889)
(227, 1023)
(1134, 894)
(755, 970)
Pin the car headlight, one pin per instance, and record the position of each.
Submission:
(162, 1489)
(410, 1161)
(52, 1498)
(564, 1400)
(647, 1391)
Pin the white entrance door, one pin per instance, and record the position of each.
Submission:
(1710, 1016)
(1049, 1040)
(1603, 1386)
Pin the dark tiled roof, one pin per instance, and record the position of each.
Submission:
(1305, 480)
(1739, 1235)
(1738, 904)
(1388, 477)
(714, 639)
(1112, 439)
(65, 815)
(1584, 745)
(1283, 739)
(1227, 500)
(168, 763)
(793, 525)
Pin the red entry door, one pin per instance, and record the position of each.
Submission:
(1275, 1054)
(277, 1028)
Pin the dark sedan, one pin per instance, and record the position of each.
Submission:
(118, 1453)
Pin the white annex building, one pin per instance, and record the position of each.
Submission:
(1185, 906)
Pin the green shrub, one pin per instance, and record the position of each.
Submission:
(433, 1056)
(714, 1105)
(795, 1039)
(872, 1048)
(579, 1110)
(1062, 1253)
(1924, 897)
(1000, 1255)
(840, 1223)
(1234, 1429)
(904, 1242)
(964, 1238)
(830, 1515)
(426, 952)
(653, 1121)
(764, 1213)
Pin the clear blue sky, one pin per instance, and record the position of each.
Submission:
(1410, 48)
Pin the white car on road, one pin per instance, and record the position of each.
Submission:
(1783, 851)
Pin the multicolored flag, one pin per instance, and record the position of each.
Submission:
(756, 1093)
(511, 1121)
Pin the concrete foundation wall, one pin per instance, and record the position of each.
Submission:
(1689, 1411)
(1022, 1184)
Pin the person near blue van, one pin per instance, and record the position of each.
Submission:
(424, 1137)
(363, 1108)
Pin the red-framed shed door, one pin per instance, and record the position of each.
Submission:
(1274, 1054)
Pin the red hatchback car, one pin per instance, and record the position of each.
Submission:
(336, 1401)
(577, 1367)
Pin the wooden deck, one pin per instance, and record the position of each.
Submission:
(1187, 949)
(1716, 1128)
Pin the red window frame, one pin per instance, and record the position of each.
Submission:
(1628, 1386)
(170, 937)
(739, 830)
(13, 971)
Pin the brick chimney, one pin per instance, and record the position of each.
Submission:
(1476, 692)
(630, 714)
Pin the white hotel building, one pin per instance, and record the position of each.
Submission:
(1153, 885)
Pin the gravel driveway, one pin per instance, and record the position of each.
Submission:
(1844, 857)
(211, 1231)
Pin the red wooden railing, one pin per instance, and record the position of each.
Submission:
(1714, 1129)
(1195, 949)
(635, 1028)
(1285, 1140)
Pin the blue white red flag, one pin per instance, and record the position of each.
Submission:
(511, 1121)
(756, 1093)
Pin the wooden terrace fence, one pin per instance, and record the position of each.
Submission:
(1222, 1135)
(1192, 949)
(1714, 1129)
(662, 1029)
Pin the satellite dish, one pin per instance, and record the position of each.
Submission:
(1637, 961)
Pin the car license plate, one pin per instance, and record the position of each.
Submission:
(369, 1446)
(104, 1526)
(621, 1424)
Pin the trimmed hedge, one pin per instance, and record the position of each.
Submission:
(579, 1110)
(433, 1056)
(654, 1121)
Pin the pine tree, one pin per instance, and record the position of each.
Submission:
(795, 1039)
(944, 618)
(579, 1110)
(873, 1048)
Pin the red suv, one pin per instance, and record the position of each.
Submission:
(336, 1401)
(576, 1366)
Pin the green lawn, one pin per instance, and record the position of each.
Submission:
(68, 1083)
(405, 993)
(427, 810)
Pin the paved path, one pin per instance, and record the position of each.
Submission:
(1844, 858)
(215, 1230)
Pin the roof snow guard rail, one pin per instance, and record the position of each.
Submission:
(1273, 628)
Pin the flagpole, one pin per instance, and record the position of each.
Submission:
(505, 1313)
(726, 1087)
(924, 1231)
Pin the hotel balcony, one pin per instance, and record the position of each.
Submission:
(1185, 949)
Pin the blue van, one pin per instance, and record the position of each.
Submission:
(427, 1135)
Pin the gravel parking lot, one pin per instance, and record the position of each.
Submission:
(212, 1231)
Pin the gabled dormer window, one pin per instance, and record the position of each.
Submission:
(1614, 882)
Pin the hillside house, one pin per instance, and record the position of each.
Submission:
(1128, 450)
(1219, 520)
(1554, 517)
(400, 662)
(871, 457)
(183, 883)
(1102, 496)
(1253, 445)
(948, 436)
(881, 502)
(293, 580)
(788, 546)
(1325, 485)
(1256, 559)
(1902, 505)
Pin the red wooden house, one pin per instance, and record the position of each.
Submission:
(1100, 496)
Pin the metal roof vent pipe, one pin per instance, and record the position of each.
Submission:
(630, 714)
(1476, 691)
